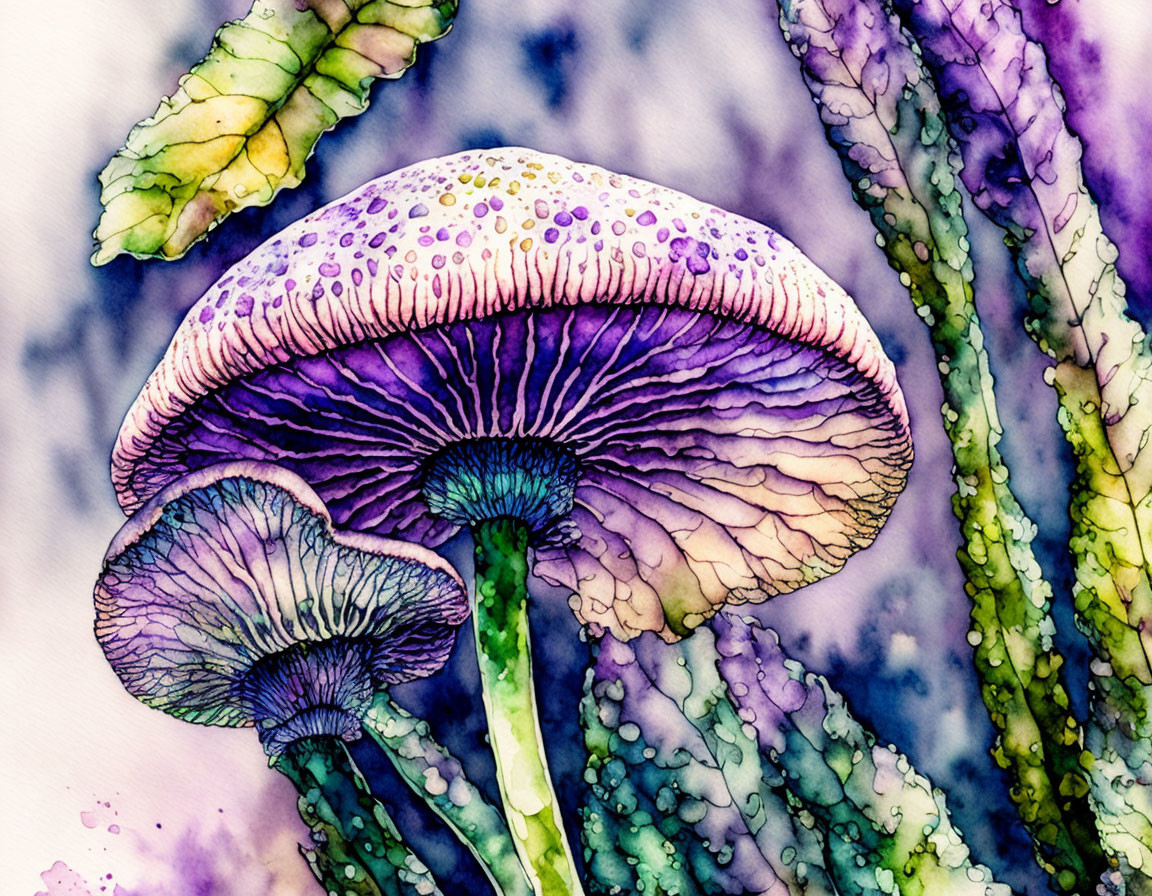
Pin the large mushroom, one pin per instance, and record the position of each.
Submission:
(230, 600)
(669, 404)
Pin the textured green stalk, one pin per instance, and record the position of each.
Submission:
(439, 780)
(504, 651)
(1022, 166)
(358, 848)
(883, 118)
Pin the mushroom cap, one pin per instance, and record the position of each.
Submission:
(738, 429)
(239, 563)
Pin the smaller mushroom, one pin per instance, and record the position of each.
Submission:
(230, 600)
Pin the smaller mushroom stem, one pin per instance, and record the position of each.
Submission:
(358, 845)
(503, 649)
(436, 777)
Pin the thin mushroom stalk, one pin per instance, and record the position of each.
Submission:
(230, 600)
(651, 402)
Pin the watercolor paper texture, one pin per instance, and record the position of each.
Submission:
(577, 449)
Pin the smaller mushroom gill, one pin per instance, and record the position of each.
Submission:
(231, 600)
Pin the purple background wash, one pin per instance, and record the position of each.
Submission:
(704, 98)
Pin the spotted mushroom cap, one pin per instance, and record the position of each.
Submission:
(238, 564)
(737, 429)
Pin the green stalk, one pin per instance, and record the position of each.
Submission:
(439, 780)
(503, 649)
(359, 849)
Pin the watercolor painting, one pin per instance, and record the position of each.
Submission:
(580, 449)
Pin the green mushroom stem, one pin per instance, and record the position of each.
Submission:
(363, 851)
(503, 647)
(438, 779)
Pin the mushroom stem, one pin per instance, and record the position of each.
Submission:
(503, 649)
(439, 780)
(362, 849)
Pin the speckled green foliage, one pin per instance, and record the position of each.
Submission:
(888, 830)
(883, 117)
(439, 780)
(1022, 165)
(245, 120)
(503, 648)
(358, 849)
(696, 765)
(680, 812)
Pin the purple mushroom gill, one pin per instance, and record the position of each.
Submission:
(705, 416)
(230, 600)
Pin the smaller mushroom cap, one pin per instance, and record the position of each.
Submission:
(229, 599)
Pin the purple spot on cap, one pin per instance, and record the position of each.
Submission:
(551, 235)
(438, 261)
(580, 212)
(497, 203)
(393, 213)
(357, 276)
(317, 291)
(741, 254)
(639, 250)
(278, 301)
(437, 289)
(480, 209)
(338, 288)
(222, 299)
(375, 242)
(397, 271)
(372, 266)
(281, 269)
(207, 314)
(541, 208)
(702, 249)
(578, 177)
(393, 228)
(635, 194)
(661, 234)
(359, 254)
(418, 211)
(329, 269)
(457, 257)
(595, 228)
(486, 254)
(618, 227)
(377, 205)
(598, 245)
(646, 219)
(289, 284)
(425, 240)
(346, 240)
(464, 239)
(563, 219)
(309, 239)
(442, 234)
(391, 250)
(243, 281)
(698, 265)
(715, 232)
(679, 225)
(244, 305)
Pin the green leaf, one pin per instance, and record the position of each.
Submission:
(883, 117)
(245, 120)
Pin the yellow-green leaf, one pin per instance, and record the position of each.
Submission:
(245, 120)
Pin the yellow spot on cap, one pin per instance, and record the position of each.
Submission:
(464, 178)
(447, 199)
(501, 224)
(514, 188)
(525, 245)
